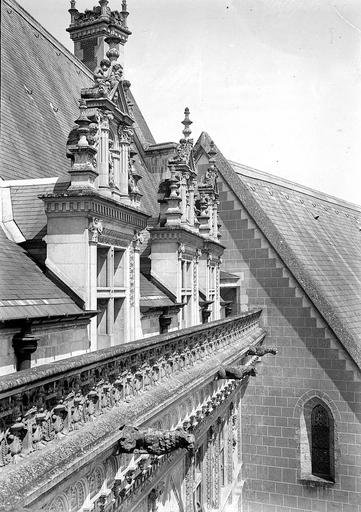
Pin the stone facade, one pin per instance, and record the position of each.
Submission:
(310, 366)
(148, 396)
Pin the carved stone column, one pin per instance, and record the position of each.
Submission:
(189, 483)
(95, 229)
(217, 463)
(210, 468)
(154, 496)
(115, 157)
(134, 287)
(124, 144)
(103, 152)
(230, 446)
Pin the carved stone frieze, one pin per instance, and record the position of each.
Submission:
(33, 418)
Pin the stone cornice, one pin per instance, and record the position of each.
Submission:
(107, 105)
(111, 392)
(179, 234)
(93, 205)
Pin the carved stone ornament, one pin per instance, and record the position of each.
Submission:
(236, 372)
(181, 249)
(154, 442)
(95, 229)
(138, 239)
(261, 351)
(198, 255)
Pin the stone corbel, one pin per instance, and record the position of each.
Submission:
(24, 345)
(154, 442)
(235, 372)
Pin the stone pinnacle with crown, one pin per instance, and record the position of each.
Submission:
(212, 153)
(186, 122)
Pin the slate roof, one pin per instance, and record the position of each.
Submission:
(151, 296)
(39, 104)
(25, 291)
(317, 236)
(40, 88)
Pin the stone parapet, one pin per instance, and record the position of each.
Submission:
(59, 413)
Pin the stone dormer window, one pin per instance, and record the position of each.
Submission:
(111, 293)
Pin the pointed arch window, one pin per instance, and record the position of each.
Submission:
(321, 442)
(317, 443)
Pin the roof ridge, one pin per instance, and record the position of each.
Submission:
(47, 35)
(292, 185)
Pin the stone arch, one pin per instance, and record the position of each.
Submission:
(96, 480)
(111, 470)
(316, 394)
(58, 504)
(303, 414)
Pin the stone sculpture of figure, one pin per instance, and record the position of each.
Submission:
(101, 73)
(154, 442)
(116, 74)
(236, 372)
(261, 351)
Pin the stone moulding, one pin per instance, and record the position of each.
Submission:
(41, 405)
(39, 472)
(94, 205)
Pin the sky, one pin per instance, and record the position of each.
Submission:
(276, 83)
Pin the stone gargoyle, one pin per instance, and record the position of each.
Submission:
(154, 442)
(261, 351)
(236, 372)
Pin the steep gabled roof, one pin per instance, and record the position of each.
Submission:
(151, 295)
(316, 235)
(40, 88)
(25, 292)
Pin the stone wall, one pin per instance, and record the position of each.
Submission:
(55, 342)
(311, 365)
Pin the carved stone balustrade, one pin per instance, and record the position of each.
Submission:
(81, 401)
(41, 404)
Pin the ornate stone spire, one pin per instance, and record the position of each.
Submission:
(83, 172)
(212, 153)
(186, 122)
(92, 29)
(185, 145)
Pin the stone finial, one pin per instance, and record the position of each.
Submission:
(72, 4)
(124, 6)
(103, 6)
(83, 123)
(212, 153)
(186, 122)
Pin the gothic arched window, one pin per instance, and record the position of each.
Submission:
(317, 442)
(321, 442)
